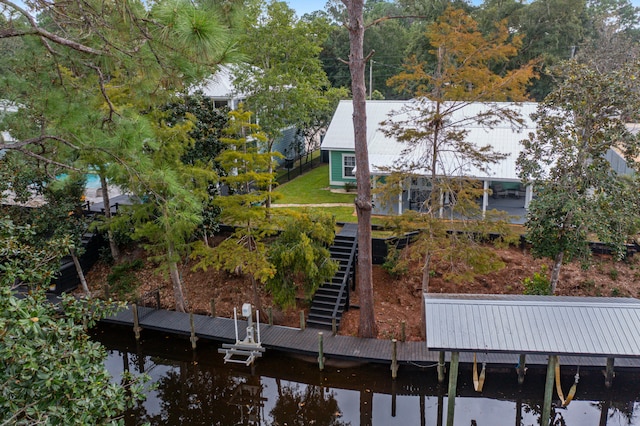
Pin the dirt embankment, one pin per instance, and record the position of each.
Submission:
(396, 299)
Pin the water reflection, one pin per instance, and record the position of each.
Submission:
(197, 388)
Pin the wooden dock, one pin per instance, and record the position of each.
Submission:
(305, 342)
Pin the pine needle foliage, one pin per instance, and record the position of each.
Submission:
(301, 256)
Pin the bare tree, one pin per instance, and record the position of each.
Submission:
(357, 61)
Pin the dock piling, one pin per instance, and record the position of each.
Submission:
(394, 359)
(193, 337)
(522, 368)
(453, 387)
(270, 312)
(136, 321)
(609, 373)
(548, 390)
(212, 303)
(320, 350)
(441, 368)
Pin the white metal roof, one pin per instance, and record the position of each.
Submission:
(220, 85)
(384, 151)
(593, 326)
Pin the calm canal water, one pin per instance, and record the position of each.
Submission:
(197, 388)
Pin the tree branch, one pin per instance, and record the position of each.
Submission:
(47, 160)
(38, 31)
(112, 109)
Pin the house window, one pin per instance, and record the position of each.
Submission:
(348, 166)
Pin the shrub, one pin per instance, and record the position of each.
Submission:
(393, 265)
(539, 284)
(122, 280)
(350, 186)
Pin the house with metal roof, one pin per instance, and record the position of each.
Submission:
(220, 88)
(385, 151)
(503, 188)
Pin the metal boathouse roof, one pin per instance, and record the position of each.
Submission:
(558, 325)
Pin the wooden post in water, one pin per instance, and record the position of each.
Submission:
(394, 397)
(136, 321)
(270, 315)
(604, 409)
(403, 331)
(522, 368)
(193, 337)
(334, 326)
(439, 421)
(441, 367)
(157, 299)
(320, 350)
(548, 390)
(212, 303)
(394, 359)
(301, 320)
(609, 374)
(453, 385)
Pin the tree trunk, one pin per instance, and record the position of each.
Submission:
(267, 204)
(367, 326)
(555, 273)
(115, 252)
(176, 282)
(256, 296)
(76, 262)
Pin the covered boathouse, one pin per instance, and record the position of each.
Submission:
(575, 328)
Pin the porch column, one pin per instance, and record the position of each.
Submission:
(528, 195)
(400, 207)
(485, 197)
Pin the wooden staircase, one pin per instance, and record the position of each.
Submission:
(332, 298)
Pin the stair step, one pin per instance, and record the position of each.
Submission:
(325, 291)
(326, 307)
(328, 298)
(341, 249)
(324, 319)
(322, 324)
(332, 296)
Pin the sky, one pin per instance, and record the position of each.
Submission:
(306, 6)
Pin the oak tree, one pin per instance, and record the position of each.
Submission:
(580, 191)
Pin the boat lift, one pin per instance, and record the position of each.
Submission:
(244, 351)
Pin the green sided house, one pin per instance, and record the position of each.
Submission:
(507, 193)
(503, 189)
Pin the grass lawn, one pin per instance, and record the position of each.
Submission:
(343, 214)
(311, 188)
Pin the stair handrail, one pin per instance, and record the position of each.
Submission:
(347, 273)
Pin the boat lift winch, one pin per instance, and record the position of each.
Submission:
(244, 351)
